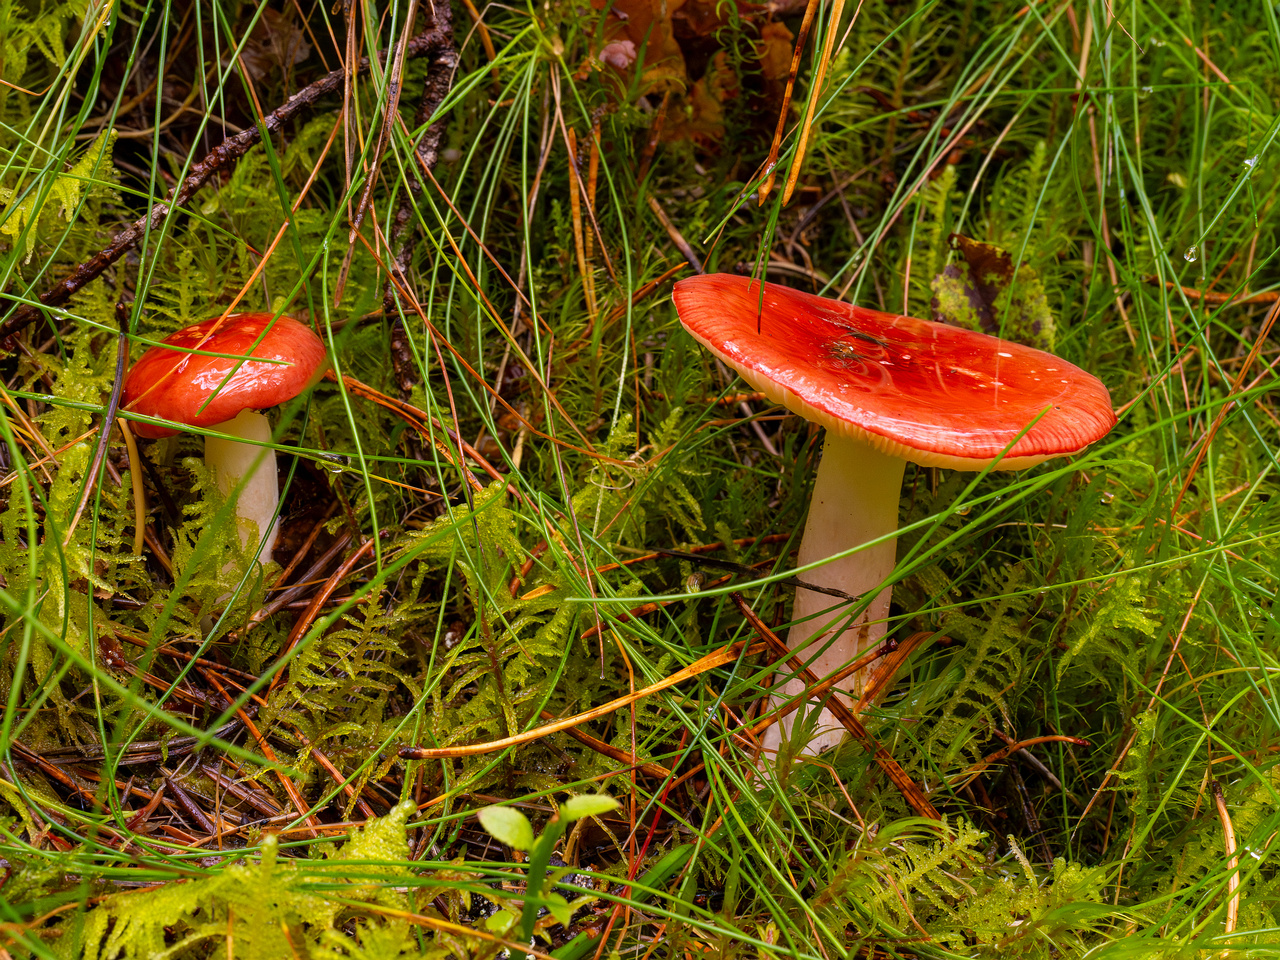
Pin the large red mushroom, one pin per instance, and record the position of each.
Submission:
(247, 362)
(888, 389)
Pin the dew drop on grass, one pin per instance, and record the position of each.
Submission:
(1251, 162)
(1192, 254)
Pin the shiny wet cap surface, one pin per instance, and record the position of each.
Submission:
(928, 392)
(202, 391)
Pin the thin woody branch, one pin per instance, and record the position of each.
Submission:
(436, 86)
(220, 157)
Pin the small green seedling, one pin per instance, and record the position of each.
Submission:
(510, 826)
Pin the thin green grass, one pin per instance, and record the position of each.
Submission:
(1124, 598)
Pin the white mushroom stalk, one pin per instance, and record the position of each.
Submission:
(855, 501)
(247, 465)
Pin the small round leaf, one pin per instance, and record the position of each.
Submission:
(507, 826)
(588, 805)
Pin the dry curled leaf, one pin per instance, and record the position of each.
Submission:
(276, 43)
(982, 291)
(773, 50)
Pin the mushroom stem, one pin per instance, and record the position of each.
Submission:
(855, 500)
(250, 468)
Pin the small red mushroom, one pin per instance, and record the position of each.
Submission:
(888, 389)
(187, 389)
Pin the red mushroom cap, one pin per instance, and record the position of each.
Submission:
(170, 383)
(927, 392)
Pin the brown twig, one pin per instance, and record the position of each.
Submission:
(304, 813)
(815, 94)
(419, 420)
(258, 799)
(906, 786)
(676, 236)
(436, 86)
(1236, 388)
(139, 752)
(292, 593)
(580, 246)
(641, 611)
(141, 817)
(1209, 296)
(887, 667)
(1233, 863)
(31, 757)
(612, 752)
(305, 621)
(391, 111)
(712, 660)
(190, 807)
(771, 163)
(964, 776)
(339, 779)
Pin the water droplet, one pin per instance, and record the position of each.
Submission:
(1251, 162)
(1192, 254)
(331, 462)
(1145, 92)
(1106, 498)
(963, 511)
